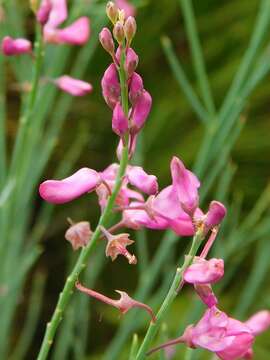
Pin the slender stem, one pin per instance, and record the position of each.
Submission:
(153, 327)
(80, 265)
(197, 55)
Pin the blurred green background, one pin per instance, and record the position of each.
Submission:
(173, 128)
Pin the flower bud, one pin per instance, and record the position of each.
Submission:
(110, 86)
(130, 28)
(141, 111)
(215, 214)
(79, 234)
(119, 120)
(131, 62)
(106, 40)
(135, 88)
(112, 11)
(143, 181)
(43, 12)
(204, 271)
(206, 294)
(34, 5)
(118, 32)
(18, 46)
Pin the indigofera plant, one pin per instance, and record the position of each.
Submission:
(122, 188)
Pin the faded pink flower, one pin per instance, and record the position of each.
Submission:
(18, 46)
(70, 188)
(75, 34)
(124, 304)
(204, 271)
(74, 87)
(117, 246)
(79, 234)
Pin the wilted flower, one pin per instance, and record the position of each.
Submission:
(124, 304)
(79, 234)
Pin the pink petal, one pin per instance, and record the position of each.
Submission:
(186, 184)
(215, 214)
(141, 111)
(238, 348)
(44, 11)
(75, 34)
(135, 88)
(126, 6)
(73, 86)
(70, 188)
(18, 46)
(206, 294)
(259, 322)
(141, 180)
(58, 13)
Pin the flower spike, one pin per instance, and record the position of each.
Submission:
(124, 304)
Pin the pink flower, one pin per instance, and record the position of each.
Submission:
(141, 180)
(18, 46)
(204, 271)
(124, 304)
(119, 120)
(110, 86)
(140, 111)
(126, 6)
(259, 322)
(228, 338)
(186, 185)
(215, 215)
(52, 12)
(70, 188)
(73, 86)
(75, 34)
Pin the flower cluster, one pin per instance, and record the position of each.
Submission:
(137, 200)
(51, 14)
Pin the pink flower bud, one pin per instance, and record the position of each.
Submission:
(73, 86)
(130, 28)
(44, 11)
(12, 46)
(70, 188)
(119, 120)
(204, 271)
(110, 86)
(215, 214)
(79, 234)
(186, 185)
(126, 6)
(106, 40)
(141, 111)
(75, 34)
(132, 141)
(118, 32)
(131, 62)
(124, 304)
(117, 246)
(135, 88)
(141, 180)
(259, 322)
(58, 13)
(206, 294)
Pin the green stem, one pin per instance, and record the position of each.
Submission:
(67, 291)
(172, 293)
